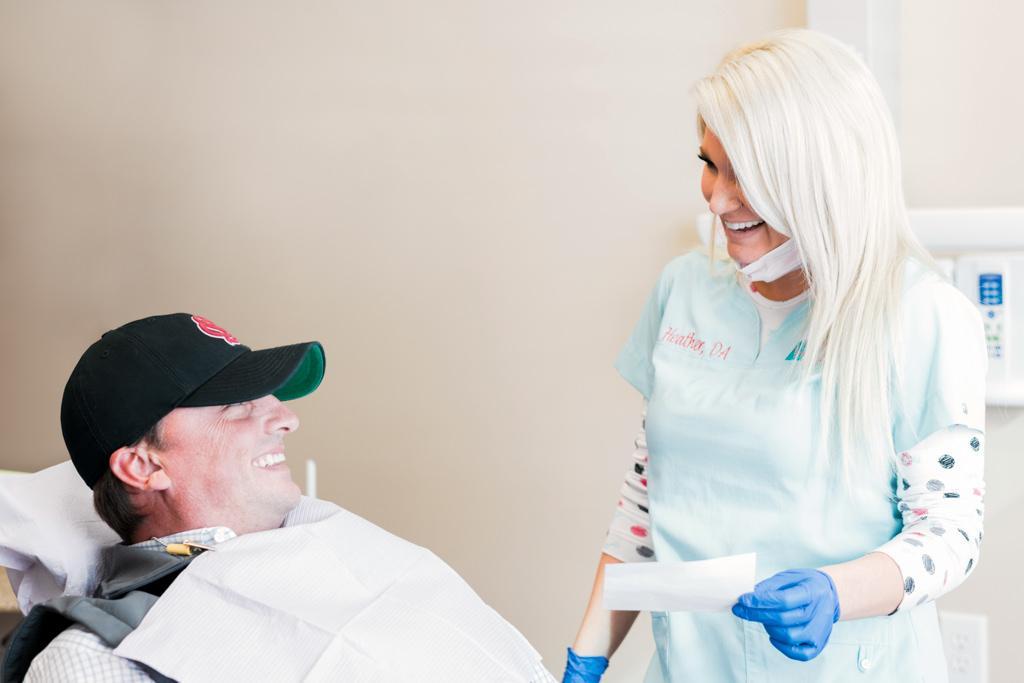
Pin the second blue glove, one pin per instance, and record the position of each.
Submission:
(584, 669)
(797, 608)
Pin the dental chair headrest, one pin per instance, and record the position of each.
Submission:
(50, 536)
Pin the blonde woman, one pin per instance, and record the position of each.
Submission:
(817, 398)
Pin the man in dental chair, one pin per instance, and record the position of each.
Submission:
(224, 568)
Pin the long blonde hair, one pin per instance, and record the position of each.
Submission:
(814, 150)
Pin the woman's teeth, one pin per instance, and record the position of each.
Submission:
(740, 227)
(268, 460)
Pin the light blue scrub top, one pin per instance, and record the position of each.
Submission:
(735, 467)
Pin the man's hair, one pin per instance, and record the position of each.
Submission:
(111, 499)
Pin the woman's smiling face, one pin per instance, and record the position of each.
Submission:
(747, 236)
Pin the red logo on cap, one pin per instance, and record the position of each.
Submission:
(212, 329)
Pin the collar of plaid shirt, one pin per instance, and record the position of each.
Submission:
(211, 535)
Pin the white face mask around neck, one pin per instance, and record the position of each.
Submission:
(782, 260)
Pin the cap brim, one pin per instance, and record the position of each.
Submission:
(287, 372)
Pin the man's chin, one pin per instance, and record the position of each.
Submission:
(291, 496)
(282, 500)
(289, 504)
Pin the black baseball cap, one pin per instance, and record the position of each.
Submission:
(134, 375)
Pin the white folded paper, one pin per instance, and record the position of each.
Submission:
(700, 586)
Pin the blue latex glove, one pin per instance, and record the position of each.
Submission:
(584, 669)
(797, 608)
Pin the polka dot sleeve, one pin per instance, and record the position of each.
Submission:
(629, 534)
(940, 493)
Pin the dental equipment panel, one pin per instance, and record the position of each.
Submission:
(989, 281)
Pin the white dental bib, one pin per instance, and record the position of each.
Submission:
(337, 599)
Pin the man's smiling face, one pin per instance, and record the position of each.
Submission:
(226, 464)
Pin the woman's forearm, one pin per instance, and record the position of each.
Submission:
(869, 586)
(941, 496)
(602, 631)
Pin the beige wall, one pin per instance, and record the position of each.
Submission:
(962, 101)
(466, 202)
(962, 144)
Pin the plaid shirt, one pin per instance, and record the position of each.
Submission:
(78, 654)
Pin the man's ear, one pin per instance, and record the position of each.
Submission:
(139, 468)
